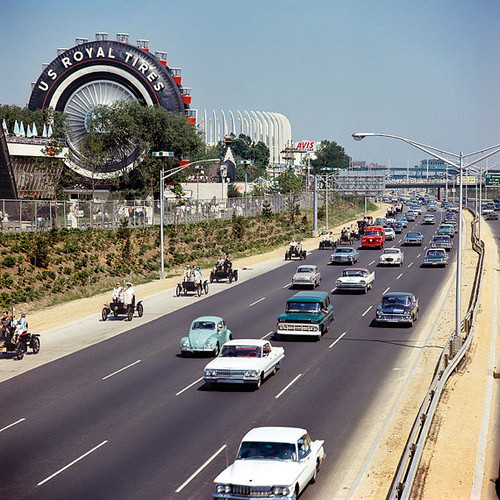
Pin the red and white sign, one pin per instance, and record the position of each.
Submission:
(306, 145)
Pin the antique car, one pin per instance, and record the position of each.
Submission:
(295, 251)
(442, 241)
(272, 463)
(413, 238)
(390, 234)
(344, 255)
(307, 275)
(435, 257)
(206, 335)
(397, 307)
(244, 361)
(391, 257)
(120, 309)
(19, 343)
(218, 274)
(363, 224)
(355, 278)
(191, 286)
(429, 219)
(307, 314)
(327, 243)
(446, 229)
(374, 237)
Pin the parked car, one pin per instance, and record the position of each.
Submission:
(397, 307)
(206, 334)
(344, 255)
(390, 234)
(306, 314)
(442, 241)
(429, 219)
(272, 463)
(356, 278)
(391, 257)
(244, 361)
(413, 238)
(308, 275)
(435, 257)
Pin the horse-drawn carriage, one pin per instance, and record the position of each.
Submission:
(192, 286)
(118, 308)
(18, 343)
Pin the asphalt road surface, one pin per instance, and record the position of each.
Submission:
(131, 418)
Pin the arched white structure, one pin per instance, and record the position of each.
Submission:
(273, 129)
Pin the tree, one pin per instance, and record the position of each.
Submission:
(329, 155)
(290, 186)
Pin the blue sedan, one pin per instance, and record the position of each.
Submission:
(207, 334)
(413, 238)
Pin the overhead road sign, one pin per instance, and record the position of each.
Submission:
(355, 183)
(492, 179)
(468, 180)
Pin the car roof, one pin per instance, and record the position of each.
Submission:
(355, 269)
(344, 248)
(215, 319)
(398, 294)
(308, 296)
(275, 434)
(308, 265)
(252, 342)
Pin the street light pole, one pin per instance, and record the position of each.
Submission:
(440, 154)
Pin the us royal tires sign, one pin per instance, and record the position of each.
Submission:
(96, 74)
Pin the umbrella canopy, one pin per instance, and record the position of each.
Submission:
(22, 133)
(16, 128)
(4, 126)
(49, 132)
(28, 132)
(44, 132)
(34, 131)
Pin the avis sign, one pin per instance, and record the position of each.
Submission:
(308, 146)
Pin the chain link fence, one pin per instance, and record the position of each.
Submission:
(38, 215)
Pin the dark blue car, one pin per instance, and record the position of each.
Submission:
(397, 307)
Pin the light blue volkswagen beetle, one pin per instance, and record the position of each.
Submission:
(206, 334)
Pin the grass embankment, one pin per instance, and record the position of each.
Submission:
(51, 267)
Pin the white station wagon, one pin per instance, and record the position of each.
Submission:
(272, 463)
(244, 361)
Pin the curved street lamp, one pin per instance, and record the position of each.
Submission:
(441, 154)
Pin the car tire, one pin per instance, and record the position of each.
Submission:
(104, 314)
(198, 290)
(20, 351)
(259, 382)
(140, 310)
(35, 345)
(216, 351)
(130, 313)
(365, 289)
(178, 290)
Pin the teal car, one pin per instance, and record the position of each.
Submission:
(206, 334)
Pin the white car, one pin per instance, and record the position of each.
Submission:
(391, 257)
(355, 278)
(390, 234)
(244, 361)
(307, 275)
(272, 462)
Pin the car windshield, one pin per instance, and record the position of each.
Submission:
(237, 351)
(203, 325)
(305, 270)
(441, 238)
(303, 307)
(343, 250)
(268, 451)
(391, 250)
(393, 301)
(413, 235)
(435, 253)
(371, 233)
(354, 272)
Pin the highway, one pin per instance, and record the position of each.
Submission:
(131, 418)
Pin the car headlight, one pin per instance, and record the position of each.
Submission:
(209, 343)
(281, 490)
(338, 282)
(250, 373)
(223, 488)
(185, 343)
(211, 373)
(363, 282)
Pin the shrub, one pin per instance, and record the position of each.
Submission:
(9, 261)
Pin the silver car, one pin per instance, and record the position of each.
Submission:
(307, 275)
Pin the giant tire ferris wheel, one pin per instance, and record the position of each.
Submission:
(96, 74)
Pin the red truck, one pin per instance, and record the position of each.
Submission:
(374, 237)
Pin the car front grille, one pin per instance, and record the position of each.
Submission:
(251, 491)
(230, 373)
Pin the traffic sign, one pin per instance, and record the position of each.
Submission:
(468, 180)
(160, 154)
(492, 179)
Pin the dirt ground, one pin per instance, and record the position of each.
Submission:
(448, 462)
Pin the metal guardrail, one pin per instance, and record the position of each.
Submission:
(408, 465)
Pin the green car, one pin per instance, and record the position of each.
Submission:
(206, 334)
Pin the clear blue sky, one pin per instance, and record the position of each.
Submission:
(424, 69)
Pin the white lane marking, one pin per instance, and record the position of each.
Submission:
(189, 386)
(121, 369)
(418, 256)
(287, 285)
(12, 425)
(364, 314)
(190, 478)
(290, 384)
(333, 290)
(410, 264)
(257, 301)
(371, 262)
(399, 276)
(386, 290)
(266, 335)
(425, 248)
(334, 342)
(72, 463)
